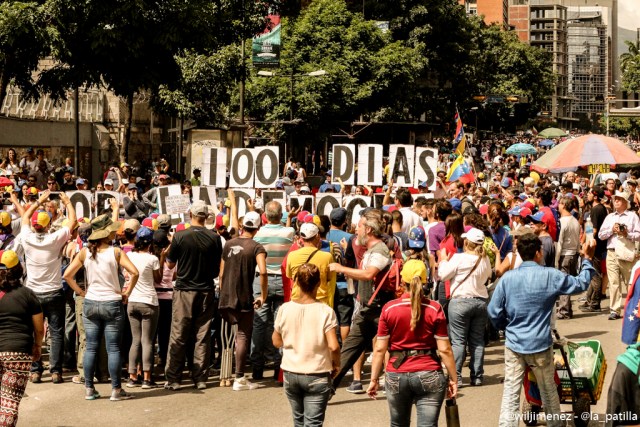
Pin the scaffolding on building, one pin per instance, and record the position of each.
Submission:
(587, 44)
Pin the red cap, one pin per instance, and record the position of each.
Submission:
(483, 209)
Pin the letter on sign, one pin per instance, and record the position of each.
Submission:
(401, 161)
(353, 205)
(426, 167)
(81, 201)
(266, 166)
(242, 168)
(214, 167)
(343, 163)
(326, 202)
(370, 167)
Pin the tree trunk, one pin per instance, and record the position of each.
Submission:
(124, 148)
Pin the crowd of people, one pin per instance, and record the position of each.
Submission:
(424, 283)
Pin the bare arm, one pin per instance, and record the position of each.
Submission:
(16, 203)
(334, 348)
(446, 354)
(115, 209)
(126, 263)
(376, 366)
(264, 283)
(222, 274)
(38, 334)
(387, 194)
(276, 338)
(72, 221)
(233, 216)
(354, 273)
(72, 269)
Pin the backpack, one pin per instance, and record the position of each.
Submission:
(388, 280)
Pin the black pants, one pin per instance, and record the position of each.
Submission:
(363, 330)
(595, 287)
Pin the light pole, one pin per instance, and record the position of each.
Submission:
(292, 77)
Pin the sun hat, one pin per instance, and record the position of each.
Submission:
(102, 226)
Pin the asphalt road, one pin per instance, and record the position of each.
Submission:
(47, 404)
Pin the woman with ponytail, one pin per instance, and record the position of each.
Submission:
(413, 329)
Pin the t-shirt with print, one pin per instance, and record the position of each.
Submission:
(196, 251)
(144, 291)
(377, 256)
(335, 236)
(239, 256)
(43, 258)
(16, 325)
(395, 326)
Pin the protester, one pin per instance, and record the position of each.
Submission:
(142, 309)
(196, 251)
(305, 330)
(103, 311)
(522, 305)
(276, 240)
(469, 272)
(44, 265)
(21, 333)
(413, 329)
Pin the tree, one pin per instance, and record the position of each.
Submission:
(630, 67)
(366, 74)
(135, 46)
(622, 126)
(23, 41)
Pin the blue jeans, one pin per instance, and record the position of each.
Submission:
(308, 396)
(467, 320)
(54, 310)
(102, 318)
(263, 319)
(424, 388)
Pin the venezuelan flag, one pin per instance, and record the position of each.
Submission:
(459, 137)
(460, 171)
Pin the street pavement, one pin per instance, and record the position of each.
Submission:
(47, 404)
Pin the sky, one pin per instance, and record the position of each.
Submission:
(629, 14)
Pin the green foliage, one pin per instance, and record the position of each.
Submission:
(366, 73)
(24, 39)
(622, 126)
(630, 66)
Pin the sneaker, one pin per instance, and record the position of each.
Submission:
(146, 385)
(584, 305)
(133, 383)
(56, 378)
(459, 382)
(171, 386)
(240, 384)
(120, 395)
(355, 387)
(201, 385)
(614, 316)
(590, 309)
(477, 382)
(90, 393)
(77, 379)
(36, 377)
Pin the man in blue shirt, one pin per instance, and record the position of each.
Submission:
(343, 301)
(522, 305)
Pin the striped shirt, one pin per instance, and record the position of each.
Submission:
(277, 240)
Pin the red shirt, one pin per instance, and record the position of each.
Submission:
(395, 325)
(550, 220)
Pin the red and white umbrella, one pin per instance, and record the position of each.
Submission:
(584, 151)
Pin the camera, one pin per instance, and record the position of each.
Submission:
(622, 227)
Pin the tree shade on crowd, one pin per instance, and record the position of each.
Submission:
(584, 151)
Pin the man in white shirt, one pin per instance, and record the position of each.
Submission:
(404, 202)
(43, 262)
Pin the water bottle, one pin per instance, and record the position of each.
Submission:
(588, 230)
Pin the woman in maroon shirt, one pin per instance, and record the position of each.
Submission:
(412, 328)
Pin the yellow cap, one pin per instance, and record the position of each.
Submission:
(414, 268)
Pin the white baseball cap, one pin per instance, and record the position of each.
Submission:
(309, 230)
(252, 220)
(474, 235)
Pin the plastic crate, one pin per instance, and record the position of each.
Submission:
(567, 394)
(596, 375)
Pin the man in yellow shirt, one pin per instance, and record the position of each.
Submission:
(310, 253)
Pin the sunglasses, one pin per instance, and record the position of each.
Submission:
(51, 183)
